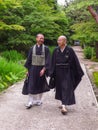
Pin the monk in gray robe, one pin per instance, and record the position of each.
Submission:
(38, 63)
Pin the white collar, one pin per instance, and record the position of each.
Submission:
(38, 45)
(62, 49)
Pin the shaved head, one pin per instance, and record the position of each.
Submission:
(62, 37)
(39, 34)
(62, 41)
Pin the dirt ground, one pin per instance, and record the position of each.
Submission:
(90, 67)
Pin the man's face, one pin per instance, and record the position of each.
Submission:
(61, 41)
(40, 39)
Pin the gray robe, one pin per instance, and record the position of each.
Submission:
(37, 84)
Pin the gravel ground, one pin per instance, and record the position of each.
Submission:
(82, 116)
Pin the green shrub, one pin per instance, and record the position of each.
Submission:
(51, 48)
(3, 84)
(89, 52)
(95, 76)
(12, 55)
(94, 59)
(10, 73)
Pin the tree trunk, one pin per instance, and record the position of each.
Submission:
(96, 47)
(93, 13)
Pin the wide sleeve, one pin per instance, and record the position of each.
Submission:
(76, 69)
(29, 60)
(47, 60)
(52, 73)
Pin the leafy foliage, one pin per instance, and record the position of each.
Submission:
(89, 52)
(12, 55)
(5, 27)
(10, 73)
(83, 26)
(86, 32)
(22, 20)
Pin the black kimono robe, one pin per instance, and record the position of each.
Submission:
(37, 84)
(67, 73)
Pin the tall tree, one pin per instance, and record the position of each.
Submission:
(9, 20)
(83, 25)
(31, 17)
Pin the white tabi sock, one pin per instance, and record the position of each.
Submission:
(30, 100)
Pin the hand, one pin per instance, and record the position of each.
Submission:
(42, 72)
(27, 73)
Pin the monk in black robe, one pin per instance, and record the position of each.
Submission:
(66, 73)
(38, 63)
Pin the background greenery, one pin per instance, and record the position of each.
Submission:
(21, 20)
(11, 70)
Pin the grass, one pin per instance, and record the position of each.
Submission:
(95, 76)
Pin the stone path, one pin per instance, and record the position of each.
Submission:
(82, 116)
(90, 66)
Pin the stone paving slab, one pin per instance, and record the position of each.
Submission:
(82, 116)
